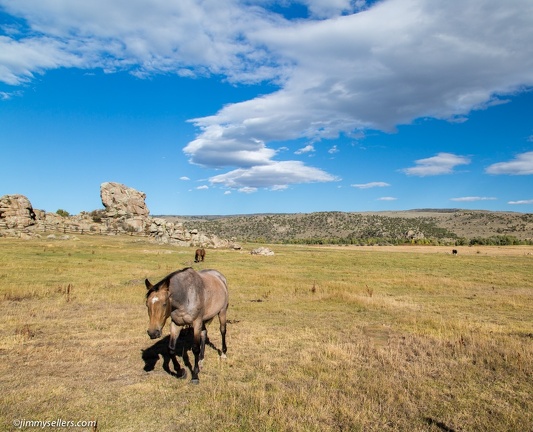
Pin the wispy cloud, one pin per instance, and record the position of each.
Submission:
(472, 199)
(309, 148)
(184, 178)
(521, 165)
(387, 199)
(442, 163)
(521, 202)
(370, 185)
(9, 95)
(247, 190)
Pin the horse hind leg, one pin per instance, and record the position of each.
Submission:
(203, 338)
(222, 319)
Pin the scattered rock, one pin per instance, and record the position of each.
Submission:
(414, 235)
(262, 251)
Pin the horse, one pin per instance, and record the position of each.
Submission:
(454, 251)
(199, 255)
(189, 298)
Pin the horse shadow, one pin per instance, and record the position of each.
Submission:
(160, 351)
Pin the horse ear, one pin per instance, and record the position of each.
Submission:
(148, 284)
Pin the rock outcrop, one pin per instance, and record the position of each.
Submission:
(125, 213)
(121, 200)
(16, 211)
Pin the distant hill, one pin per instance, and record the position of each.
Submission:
(421, 226)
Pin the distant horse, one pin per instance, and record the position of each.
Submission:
(199, 255)
(189, 298)
(454, 251)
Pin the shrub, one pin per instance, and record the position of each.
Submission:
(97, 215)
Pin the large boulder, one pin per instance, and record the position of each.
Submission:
(121, 200)
(16, 211)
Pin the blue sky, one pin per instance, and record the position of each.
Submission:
(232, 107)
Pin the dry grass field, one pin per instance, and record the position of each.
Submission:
(319, 339)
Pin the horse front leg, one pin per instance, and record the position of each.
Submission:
(174, 333)
(196, 349)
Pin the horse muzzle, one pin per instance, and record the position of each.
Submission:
(154, 334)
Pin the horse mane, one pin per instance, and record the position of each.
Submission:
(164, 281)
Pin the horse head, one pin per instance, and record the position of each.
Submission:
(159, 308)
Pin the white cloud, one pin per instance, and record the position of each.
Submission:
(234, 149)
(184, 178)
(21, 59)
(521, 165)
(472, 199)
(10, 95)
(521, 202)
(344, 69)
(442, 163)
(309, 148)
(370, 185)
(276, 175)
(334, 149)
(387, 199)
(203, 187)
(247, 190)
(354, 72)
(187, 37)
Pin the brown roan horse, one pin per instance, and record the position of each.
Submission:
(189, 298)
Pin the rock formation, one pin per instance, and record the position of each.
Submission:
(16, 211)
(125, 208)
(121, 200)
(125, 213)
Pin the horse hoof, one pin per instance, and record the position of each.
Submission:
(223, 356)
(181, 374)
(195, 381)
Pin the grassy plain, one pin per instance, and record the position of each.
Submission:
(319, 339)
